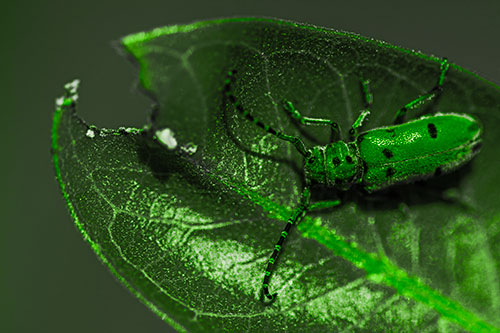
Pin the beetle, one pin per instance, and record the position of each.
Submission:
(377, 158)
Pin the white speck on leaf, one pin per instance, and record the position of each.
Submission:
(72, 86)
(90, 133)
(166, 136)
(190, 148)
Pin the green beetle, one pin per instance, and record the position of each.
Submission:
(380, 157)
(377, 158)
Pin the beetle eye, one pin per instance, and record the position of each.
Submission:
(348, 159)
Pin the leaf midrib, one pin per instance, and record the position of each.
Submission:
(379, 268)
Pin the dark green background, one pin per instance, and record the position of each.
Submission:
(50, 279)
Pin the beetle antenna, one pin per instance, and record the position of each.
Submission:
(228, 92)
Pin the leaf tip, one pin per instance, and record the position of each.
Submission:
(71, 94)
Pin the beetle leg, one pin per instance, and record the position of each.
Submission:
(430, 95)
(294, 113)
(323, 205)
(353, 132)
(368, 101)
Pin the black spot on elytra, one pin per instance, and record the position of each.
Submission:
(431, 128)
(438, 171)
(387, 153)
(389, 172)
(391, 131)
(348, 159)
(335, 161)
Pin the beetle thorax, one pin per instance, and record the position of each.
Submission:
(336, 164)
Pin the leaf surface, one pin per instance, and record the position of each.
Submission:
(190, 230)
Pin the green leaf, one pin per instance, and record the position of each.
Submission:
(189, 227)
